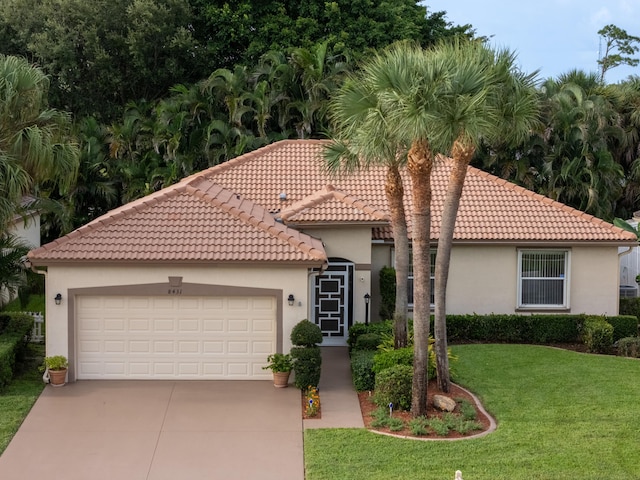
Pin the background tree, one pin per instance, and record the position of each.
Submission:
(12, 269)
(619, 47)
(38, 156)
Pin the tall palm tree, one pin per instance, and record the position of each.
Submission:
(362, 138)
(37, 152)
(486, 98)
(404, 87)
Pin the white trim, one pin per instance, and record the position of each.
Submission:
(566, 278)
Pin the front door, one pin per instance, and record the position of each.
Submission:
(332, 293)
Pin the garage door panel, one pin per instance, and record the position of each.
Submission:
(174, 337)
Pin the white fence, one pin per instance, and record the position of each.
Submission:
(37, 335)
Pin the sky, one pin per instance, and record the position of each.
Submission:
(553, 36)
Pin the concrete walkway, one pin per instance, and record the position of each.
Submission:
(339, 400)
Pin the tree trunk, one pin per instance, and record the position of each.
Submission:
(395, 196)
(461, 157)
(419, 165)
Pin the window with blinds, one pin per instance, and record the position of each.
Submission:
(542, 278)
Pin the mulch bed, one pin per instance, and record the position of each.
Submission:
(368, 407)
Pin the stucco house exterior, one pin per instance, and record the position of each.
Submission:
(205, 278)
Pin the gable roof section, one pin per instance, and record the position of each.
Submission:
(183, 224)
(328, 205)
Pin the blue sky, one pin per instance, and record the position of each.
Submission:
(553, 36)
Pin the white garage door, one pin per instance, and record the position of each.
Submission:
(174, 337)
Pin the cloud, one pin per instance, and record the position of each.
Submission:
(601, 18)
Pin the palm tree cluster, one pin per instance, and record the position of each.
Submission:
(403, 108)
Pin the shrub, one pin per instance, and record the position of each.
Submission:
(358, 329)
(368, 341)
(306, 334)
(387, 292)
(385, 359)
(362, 370)
(630, 306)
(597, 334)
(629, 347)
(393, 385)
(307, 365)
(623, 326)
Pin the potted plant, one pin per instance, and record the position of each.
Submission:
(281, 365)
(56, 367)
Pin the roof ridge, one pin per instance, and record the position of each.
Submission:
(546, 200)
(259, 217)
(327, 192)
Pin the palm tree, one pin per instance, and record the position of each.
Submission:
(362, 138)
(403, 87)
(487, 98)
(12, 269)
(37, 153)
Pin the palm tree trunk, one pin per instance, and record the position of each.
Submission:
(462, 156)
(395, 196)
(419, 165)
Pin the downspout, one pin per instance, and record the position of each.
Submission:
(27, 263)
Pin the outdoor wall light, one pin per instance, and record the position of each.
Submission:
(58, 299)
(291, 299)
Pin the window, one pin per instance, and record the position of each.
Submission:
(410, 277)
(543, 278)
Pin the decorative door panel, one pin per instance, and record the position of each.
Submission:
(332, 293)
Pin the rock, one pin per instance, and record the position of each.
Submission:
(443, 403)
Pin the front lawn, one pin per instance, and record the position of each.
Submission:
(19, 396)
(560, 414)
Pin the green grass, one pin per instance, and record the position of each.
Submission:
(19, 396)
(36, 304)
(561, 415)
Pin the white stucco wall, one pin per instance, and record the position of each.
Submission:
(353, 244)
(28, 231)
(483, 279)
(60, 279)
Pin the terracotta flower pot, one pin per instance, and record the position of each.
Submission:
(281, 379)
(58, 377)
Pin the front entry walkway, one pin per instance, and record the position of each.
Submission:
(159, 430)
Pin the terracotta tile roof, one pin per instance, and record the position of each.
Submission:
(228, 213)
(181, 223)
(330, 206)
(285, 175)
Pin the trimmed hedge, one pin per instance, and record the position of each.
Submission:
(362, 370)
(15, 330)
(307, 366)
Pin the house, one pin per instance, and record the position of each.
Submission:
(205, 278)
(630, 264)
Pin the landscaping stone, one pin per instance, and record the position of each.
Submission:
(443, 403)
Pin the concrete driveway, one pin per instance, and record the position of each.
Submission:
(157, 430)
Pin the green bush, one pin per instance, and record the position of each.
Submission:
(368, 341)
(387, 292)
(358, 329)
(623, 326)
(597, 335)
(15, 330)
(385, 359)
(362, 370)
(307, 366)
(393, 385)
(306, 334)
(629, 347)
(630, 306)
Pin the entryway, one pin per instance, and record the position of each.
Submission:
(332, 301)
